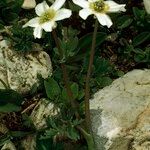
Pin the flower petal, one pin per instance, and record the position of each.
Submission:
(82, 3)
(37, 32)
(41, 8)
(49, 26)
(104, 20)
(84, 13)
(62, 14)
(92, 1)
(114, 7)
(32, 23)
(58, 4)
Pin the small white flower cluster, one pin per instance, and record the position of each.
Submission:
(48, 16)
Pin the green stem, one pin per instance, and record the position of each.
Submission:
(87, 86)
(65, 75)
(88, 138)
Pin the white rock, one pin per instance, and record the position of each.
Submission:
(43, 110)
(147, 5)
(19, 71)
(29, 4)
(8, 146)
(120, 113)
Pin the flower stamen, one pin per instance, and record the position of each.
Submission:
(47, 16)
(99, 6)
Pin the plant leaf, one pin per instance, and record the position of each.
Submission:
(86, 40)
(10, 96)
(9, 108)
(52, 88)
(142, 37)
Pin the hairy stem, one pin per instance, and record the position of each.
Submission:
(65, 75)
(87, 86)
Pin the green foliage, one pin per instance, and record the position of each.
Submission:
(86, 40)
(9, 108)
(22, 38)
(10, 96)
(12, 135)
(16, 134)
(52, 88)
(62, 129)
(118, 50)
(134, 36)
(142, 56)
(68, 44)
(124, 22)
(27, 121)
(9, 11)
(140, 38)
(75, 90)
(102, 69)
(139, 14)
(103, 81)
(48, 144)
(4, 139)
(10, 100)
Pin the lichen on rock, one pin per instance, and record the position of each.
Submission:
(120, 113)
(43, 110)
(19, 71)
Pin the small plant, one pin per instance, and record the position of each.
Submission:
(86, 56)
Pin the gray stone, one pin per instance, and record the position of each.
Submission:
(120, 113)
(41, 111)
(19, 70)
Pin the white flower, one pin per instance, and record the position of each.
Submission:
(100, 9)
(47, 17)
(147, 5)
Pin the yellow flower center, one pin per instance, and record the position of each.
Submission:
(47, 16)
(99, 6)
